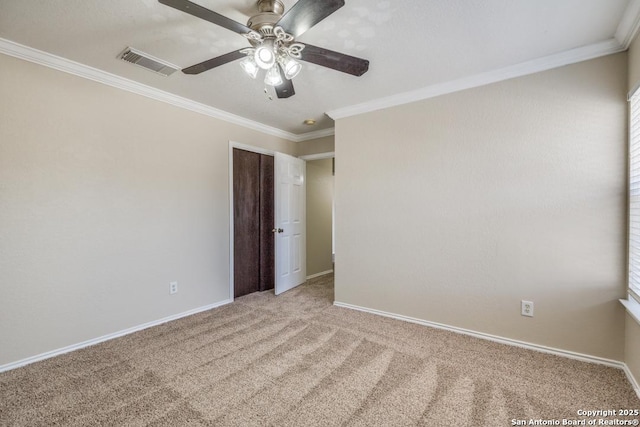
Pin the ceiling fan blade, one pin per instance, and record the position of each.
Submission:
(214, 62)
(206, 14)
(285, 89)
(335, 60)
(307, 13)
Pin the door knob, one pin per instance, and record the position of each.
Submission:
(279, 230)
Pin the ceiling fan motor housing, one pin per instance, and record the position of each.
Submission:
(270, 12)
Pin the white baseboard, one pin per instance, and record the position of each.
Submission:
(322, 273)
(632, 380)
(523, 344)
(78, 346)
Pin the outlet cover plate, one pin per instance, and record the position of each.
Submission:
(527, 308)
(173, 288)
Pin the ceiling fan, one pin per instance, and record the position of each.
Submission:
(272, 35)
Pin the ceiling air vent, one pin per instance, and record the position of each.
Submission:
(147, 61)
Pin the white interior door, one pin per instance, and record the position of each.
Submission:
(290, 217)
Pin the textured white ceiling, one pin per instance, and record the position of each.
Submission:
(411, 44)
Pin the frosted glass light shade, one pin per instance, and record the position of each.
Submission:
(249, 65)
(265, 55)
(273, 77)
(291, 67)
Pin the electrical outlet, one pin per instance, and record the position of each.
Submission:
(527, 308)
(173, 288)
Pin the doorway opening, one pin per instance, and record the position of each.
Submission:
(270, 233)
(321, 214)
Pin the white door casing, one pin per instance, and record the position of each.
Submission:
(290, 218)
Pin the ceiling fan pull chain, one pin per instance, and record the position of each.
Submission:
(266, 92)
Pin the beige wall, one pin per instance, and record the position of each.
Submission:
(632, 330)
(319, 215)
(634, 64)
(470, 202)
(316, 146)
(106, 197)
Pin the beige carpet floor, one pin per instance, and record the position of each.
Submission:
(296, 360)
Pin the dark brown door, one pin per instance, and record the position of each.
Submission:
(253, 241)
(267, 222)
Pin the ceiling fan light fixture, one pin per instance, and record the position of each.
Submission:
(265, 55)
(272, 35)
(291, 67)
(273, 77)
(250, 67)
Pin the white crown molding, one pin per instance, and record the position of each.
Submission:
(626, 30)
(315, 134)
(568, 57)
(629, 24)
(78, 346)
(61, 64)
